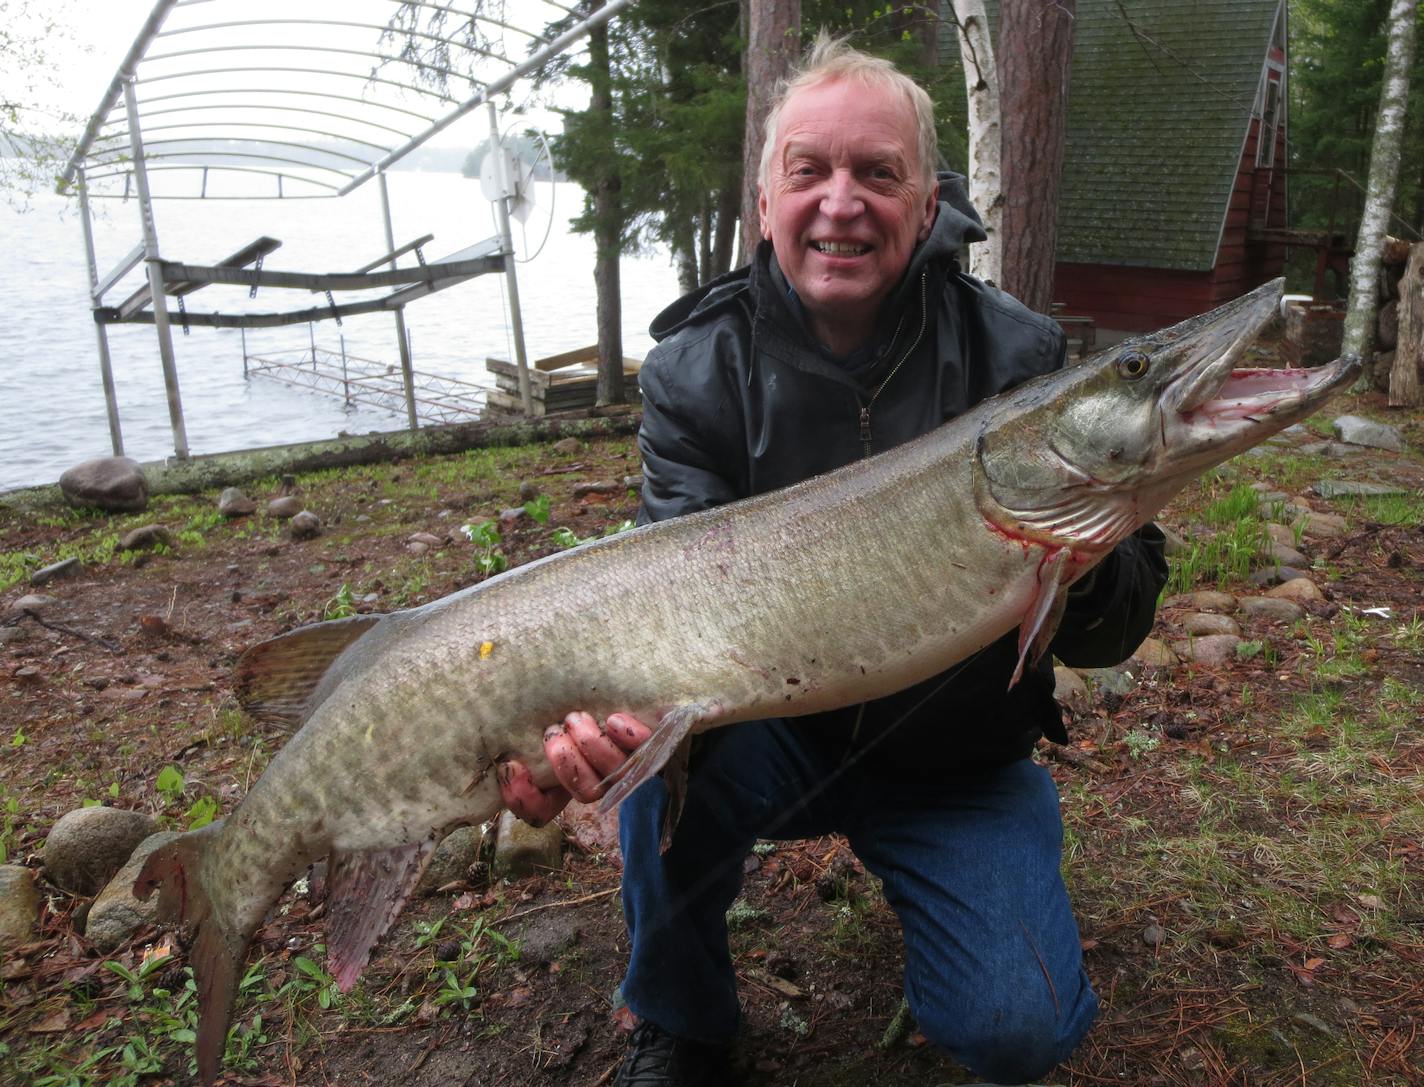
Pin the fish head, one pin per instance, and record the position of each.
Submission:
(1082, 457)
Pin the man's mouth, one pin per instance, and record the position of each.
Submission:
(840, 249)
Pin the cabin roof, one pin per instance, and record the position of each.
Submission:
(1160, 98)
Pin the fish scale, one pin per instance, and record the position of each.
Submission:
(841, 589)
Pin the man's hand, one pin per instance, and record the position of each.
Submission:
(582, 753)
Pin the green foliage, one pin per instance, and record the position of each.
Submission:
(9, 818)
(538, 509)
(169, 784)
(489, 559)
(1337, 50)
(340, 606)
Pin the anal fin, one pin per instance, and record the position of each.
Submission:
(1045, 611)
(675, 778)
(366, 892)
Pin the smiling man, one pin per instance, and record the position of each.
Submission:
(854, 330)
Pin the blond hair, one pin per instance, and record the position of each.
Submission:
(831, 59)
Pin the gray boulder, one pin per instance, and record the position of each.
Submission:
(145, 537)
(453, 857)
(289, 505)
(233, 503)
(115, 484)
(1201, 623)
(116, 914)
(1209, 649)
(19, 905)
(304, 526)
(1360, 431)
(522, 850)
(1272, 609)
(55, 570)
(87, 846)
(1350, 488)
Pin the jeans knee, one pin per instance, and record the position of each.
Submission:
(1002, 1046)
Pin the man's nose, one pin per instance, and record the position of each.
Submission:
(842, 199)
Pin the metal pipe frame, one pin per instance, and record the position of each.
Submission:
(258, 48)
(266, 126)
(319, 22)
(96, 291)
(145, 116)
(506, 241)
(407, 367)
(285, 92)
(155, 279)
(477, 17)
(284, 159)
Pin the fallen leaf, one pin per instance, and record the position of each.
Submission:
(1340, 941)
(53, 1023)
(1314, 962)
(94, 1022)
(1370, 902)
(624, 1019)
(1089, 944)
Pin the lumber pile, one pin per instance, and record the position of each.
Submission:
(564, 382)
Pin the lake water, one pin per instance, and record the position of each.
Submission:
(52, 412)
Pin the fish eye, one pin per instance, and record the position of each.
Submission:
(1133, 365)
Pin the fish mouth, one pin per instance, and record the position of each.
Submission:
(1213, 344)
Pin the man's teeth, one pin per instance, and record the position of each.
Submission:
(840, 249)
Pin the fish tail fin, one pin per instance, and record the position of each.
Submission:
(218, 945)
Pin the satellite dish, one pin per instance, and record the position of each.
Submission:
(529, 173)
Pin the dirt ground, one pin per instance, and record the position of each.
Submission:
(1244, 840)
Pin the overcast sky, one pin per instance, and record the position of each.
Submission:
(94, 36)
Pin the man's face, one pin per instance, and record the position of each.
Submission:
(844, 203)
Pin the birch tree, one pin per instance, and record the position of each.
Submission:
(1380, 190)
(981, 84)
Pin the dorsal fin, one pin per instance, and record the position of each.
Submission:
(274, 680)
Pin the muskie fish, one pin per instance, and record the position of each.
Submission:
(765, 607)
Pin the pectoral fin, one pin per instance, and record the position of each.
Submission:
(1045, 611)
(675, 778)
(657, 751)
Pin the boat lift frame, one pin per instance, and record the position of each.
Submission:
(100, 155)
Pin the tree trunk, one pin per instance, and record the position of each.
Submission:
(608, 229)
(773, 44)
(981, 83)
(1404, 391)
(1035, 57)
(726, 237)
(1380, 190)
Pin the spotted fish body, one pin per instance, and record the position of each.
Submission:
(844, 588)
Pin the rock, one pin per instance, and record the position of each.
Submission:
(547, 937)
(1323, 526)
(233, 503)
(19, 905)
(1070, 690)
(54, 571)
(521, 850)
(512, 516)
(1272, 609)
(1285, 555)
(1153, 935)
(1176, 544)
(1350, 488)
(429, 539)
(1210, 649)
(89, 845)
(289, 505)
(1114, 681)
(633, 483)
(35, 602)
(528, 490)
(567, 446)
(1360, 431)
(1275, 575)
(1201, 623)
(116, 914)
(1202, 600)
(1281, 534)
(145, 537)
(453, 857)
(1299, 589)
(417, 548)
(1153, 655)
(115, 484)
(304, 526)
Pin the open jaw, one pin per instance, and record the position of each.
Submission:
(1253, 395)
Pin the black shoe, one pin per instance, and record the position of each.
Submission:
(658, 1059)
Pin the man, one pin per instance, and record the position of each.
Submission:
(854, 330)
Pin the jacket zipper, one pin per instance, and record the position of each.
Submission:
(865, 408)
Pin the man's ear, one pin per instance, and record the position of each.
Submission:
(761, 214)
(930, 209)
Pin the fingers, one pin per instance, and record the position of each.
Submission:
(534, 805)
(583, 753)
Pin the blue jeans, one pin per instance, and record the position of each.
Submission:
(993, 965)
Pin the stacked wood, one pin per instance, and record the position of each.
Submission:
(564, 382)
(1404, 376)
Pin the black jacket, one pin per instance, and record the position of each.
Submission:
(739, 399)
